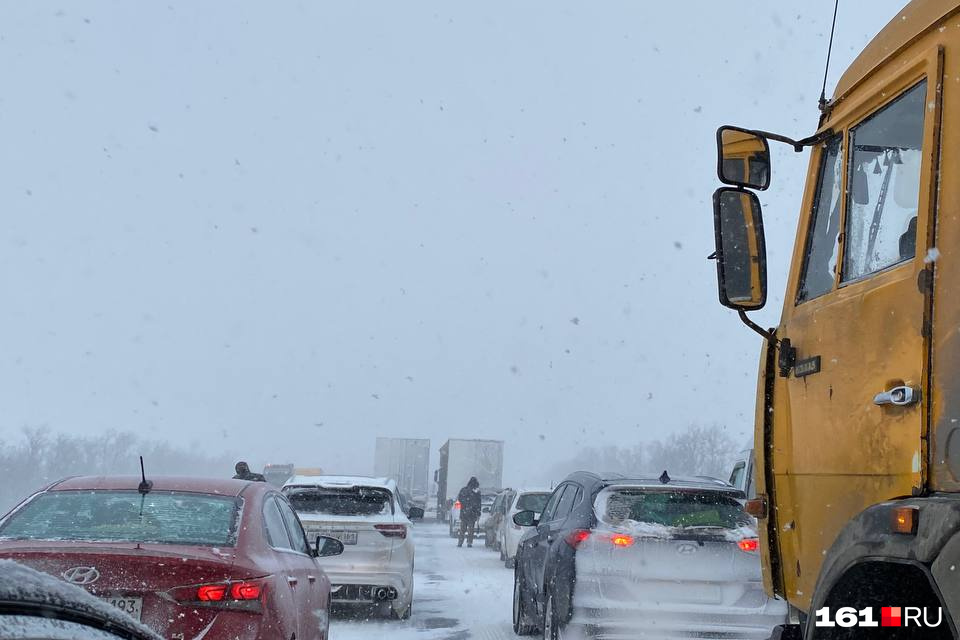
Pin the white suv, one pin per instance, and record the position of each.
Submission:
(365, 514)
(510, 532)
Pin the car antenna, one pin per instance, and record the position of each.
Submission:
(824, 104)
(664, 477)
(145, 485)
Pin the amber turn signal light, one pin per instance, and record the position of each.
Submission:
(905, 520)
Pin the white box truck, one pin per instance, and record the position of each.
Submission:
(461, 459)
(406, 460)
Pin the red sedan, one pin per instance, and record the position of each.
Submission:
(189, 557)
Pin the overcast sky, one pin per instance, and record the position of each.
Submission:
(283, 229)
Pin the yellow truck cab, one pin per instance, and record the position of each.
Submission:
(857, 435)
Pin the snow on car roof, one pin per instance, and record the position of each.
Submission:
(700, 483)
(223, 486)
(541, 490)
(341, 481)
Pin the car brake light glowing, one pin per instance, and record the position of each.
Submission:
(211, 592)
(245, 591)
(392, 530)
(621, 540)
(749, 544)
(456, 505)
(576, 537)
(245, 594)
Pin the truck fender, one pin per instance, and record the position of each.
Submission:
(869, 537)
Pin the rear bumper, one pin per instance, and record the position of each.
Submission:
(596, 614)
(401, 581)
(668, 623)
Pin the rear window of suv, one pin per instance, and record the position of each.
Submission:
(126, 516)
(347, 501)
(674, 509)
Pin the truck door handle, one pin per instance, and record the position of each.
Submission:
(898, 396)
(291, 580)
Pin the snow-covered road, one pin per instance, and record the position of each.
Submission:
(458, 594)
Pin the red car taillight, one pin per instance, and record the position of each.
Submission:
(749, 544)
(211, 592)
(456, 505)
(576, 537)
(245, 595)
(392, 530)
(245, 590)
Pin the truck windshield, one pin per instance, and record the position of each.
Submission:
(347, 501)
(884, 177)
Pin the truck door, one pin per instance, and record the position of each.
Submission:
(850, 430)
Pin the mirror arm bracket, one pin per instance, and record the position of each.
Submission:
(770, 335)
(798, 145)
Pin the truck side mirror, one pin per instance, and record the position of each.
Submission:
(743, 158)
(415, 513)
(741, 252)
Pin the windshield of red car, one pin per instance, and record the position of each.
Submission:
(126, 516)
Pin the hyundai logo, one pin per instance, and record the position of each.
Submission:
(81, 575)
(686, 549)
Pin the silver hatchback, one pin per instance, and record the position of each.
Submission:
(668, 561)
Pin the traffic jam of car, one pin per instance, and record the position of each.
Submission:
(316, 231)
(597, 555)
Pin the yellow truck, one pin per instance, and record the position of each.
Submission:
(857, 432)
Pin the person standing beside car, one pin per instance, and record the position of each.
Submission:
(469, 498)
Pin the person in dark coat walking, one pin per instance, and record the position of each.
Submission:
(469, 498)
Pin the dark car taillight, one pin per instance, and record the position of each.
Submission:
(749, 545)
(392, 530)
(242, 595)
(576, 537)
